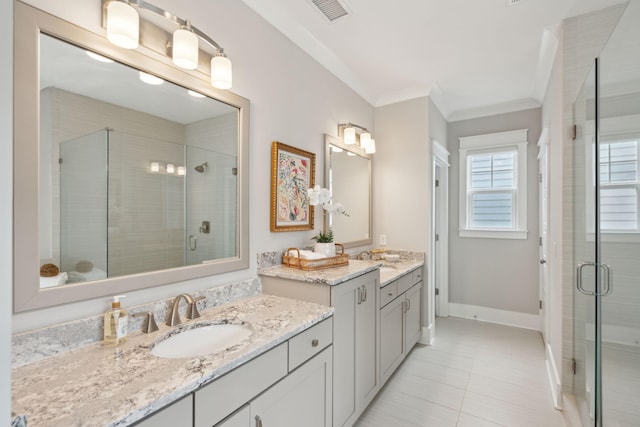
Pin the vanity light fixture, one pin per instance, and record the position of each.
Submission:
(122, 21)
(150, 79)
(97, 57)
(348, 132)
(123, 24)
(349, 135)
(184, 49)
(195, 94)
(371, 148)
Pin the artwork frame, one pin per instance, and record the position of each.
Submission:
(292, 175)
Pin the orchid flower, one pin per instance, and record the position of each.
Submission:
(321, 196)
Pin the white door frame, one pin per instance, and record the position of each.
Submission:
(543, 206)
(439, 259)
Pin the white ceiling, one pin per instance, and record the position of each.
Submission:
(472, 57)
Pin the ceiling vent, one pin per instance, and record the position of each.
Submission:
(331, 9)
(513, 2)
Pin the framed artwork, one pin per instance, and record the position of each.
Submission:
(292, 174)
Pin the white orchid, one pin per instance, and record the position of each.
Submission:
(322, 196)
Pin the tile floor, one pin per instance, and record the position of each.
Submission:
(476, 374)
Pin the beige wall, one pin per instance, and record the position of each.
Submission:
(495, 273)
(6, 197)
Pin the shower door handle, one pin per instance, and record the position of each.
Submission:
(193, 243)
(606, 288)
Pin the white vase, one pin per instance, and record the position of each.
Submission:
(327, 249)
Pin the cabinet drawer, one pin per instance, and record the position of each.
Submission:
(404, 283)
(417, 275)
(217, 400)
(388, 293)
(306, 344)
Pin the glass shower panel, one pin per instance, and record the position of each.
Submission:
(619, 105)
(584, 249)
(146, 204)
(83, 207)
(211, 205)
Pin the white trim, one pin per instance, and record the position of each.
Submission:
(428, 333)
(494, 234)
(554, 378)
(440, 160)
(494, 315)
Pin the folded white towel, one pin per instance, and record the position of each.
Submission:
(49, 282)
(94, 274)
(305, 254)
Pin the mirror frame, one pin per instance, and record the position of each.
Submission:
(338, 142)
(29, 22)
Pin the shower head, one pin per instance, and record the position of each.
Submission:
(201, 168)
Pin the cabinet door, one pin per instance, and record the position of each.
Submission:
(242, 418)
(366, 344)
(303, 398)
(392, 345)
(344, 298)
(413, 323)
(179, 414)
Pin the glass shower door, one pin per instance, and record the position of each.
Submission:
(619, 128)
(585, 251)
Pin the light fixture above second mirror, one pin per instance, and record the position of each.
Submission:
(358, 136)
(123, 24)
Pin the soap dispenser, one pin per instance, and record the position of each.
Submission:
(115, 323)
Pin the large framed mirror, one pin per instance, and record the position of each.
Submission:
(348, 173)
(129, 172)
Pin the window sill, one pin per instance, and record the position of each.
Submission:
(495, 234)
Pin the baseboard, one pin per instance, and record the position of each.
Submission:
(427, 335)
(493, 315)
(554, 378)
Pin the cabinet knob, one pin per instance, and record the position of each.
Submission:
(315, 342)
(390, 294)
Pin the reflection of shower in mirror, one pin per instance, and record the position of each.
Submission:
(201, 168)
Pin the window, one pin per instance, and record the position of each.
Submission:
(619, 186)
(493, 185)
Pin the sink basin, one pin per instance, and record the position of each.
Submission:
(201, 340)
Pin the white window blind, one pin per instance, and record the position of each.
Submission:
(492, 190)
(619, 186)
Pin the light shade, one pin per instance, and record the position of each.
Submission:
(150, 79)
(185, 49)
(170, 168)
(155, 167)
(371, 148)
(97, 57)
(181, 170)
(365, 139)
(123, 25)
(221, 73)
(349, 135)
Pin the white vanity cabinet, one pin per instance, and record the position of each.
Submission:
(355, 337)
(178, 414)
(400, 320)
(288, 386)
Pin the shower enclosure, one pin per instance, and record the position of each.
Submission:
(606, 232)
(131, 204)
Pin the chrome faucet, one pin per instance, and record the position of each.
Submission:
(173, 316)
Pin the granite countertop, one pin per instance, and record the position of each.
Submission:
(116, 386)
(389, 271)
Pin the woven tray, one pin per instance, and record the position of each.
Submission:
(315, 264)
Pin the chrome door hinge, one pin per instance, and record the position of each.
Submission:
(437, 291)
(437, 183)
(574, 368)
(574, 132)
(540, 304)
(437, 237)
(540, 241)
(540, 178)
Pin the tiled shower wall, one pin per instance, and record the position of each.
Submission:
(583, 39)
